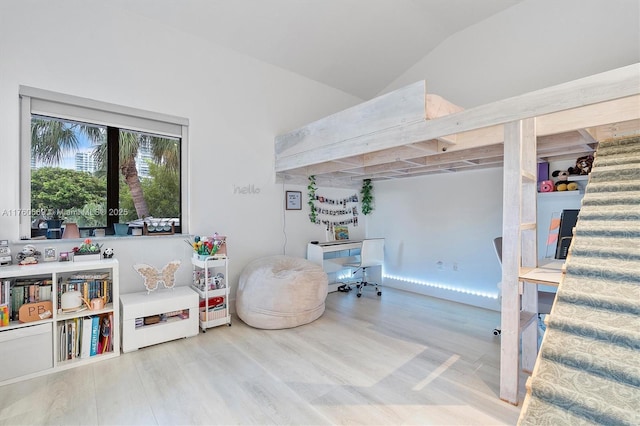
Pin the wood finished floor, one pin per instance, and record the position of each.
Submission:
(399, 359)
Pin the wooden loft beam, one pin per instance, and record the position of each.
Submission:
(558, 139)
(603, 113)
(401, 107)
(361, 129)
(473, 153)
(615, 130)
(617, 110)
(387, 113)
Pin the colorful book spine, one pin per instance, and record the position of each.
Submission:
(95, 334)
(4, 315)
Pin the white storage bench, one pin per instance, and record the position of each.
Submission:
(157, 317)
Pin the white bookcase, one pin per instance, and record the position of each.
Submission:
(34, 348)
(211, 282)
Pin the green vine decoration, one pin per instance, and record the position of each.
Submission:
(367, 196)
(313, 215)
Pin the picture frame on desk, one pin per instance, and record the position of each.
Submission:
(49, 254)
(293, 200)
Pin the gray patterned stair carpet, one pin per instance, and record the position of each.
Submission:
(588, 369)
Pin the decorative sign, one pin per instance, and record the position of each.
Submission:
(35, 311)
(294, 200)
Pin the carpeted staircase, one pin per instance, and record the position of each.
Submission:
(588, 368)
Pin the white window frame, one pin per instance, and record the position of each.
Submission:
(35, 101)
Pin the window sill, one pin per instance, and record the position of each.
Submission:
(96, 239)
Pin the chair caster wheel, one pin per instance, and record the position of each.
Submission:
(379, 293)
(496, 331)
(359, 295)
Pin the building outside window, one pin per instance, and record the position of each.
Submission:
(93, 170)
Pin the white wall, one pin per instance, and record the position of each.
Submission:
(440, 230)
(453, 218)
(236, 105)
(530, 46)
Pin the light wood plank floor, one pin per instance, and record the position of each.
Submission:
(399, 359)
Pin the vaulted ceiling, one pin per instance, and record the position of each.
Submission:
(357, 46)
(361, 47)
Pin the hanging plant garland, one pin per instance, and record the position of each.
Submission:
(367, 196)
(313, 216)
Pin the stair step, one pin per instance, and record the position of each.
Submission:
(594, 288)
(607, 302)
(600, 325)
(626, 145)
(596, 268)
(585, 354)
(620, 172)
(604, 248)
(624, 212)
(540, 412)
(585, 398)
(604, 228)
(613, 186)
(629, 140)
(611, 160)
(611, 198)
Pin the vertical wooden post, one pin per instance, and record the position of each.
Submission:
(529, 247)
(518, 246)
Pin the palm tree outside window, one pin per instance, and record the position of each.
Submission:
(97, 175)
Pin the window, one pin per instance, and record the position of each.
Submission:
(98, 164)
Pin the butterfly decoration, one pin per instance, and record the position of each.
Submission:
(153, 277)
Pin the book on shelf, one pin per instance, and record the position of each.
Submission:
(85, 343)
(89, 288)
(4, 315)
(95, 333)
(24, 291)
(90, 276)
(5, 292)
(70, 338)
(104, 344)
(62, 341)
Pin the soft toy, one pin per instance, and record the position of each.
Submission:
(583, 165)
(28, 255)
(563, 184)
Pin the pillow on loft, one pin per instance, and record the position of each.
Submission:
(281, 292)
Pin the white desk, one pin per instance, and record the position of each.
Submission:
(333, 255)
(548, 273)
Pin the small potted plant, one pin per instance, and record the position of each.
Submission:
(88, 250)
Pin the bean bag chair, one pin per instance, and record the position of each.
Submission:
(281, 292)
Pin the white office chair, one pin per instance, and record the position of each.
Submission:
(371, 254)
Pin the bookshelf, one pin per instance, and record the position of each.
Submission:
(40, 337)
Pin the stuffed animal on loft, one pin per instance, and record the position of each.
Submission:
(583, 166)
(563, 183)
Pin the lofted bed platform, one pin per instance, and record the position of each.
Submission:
(410, 132)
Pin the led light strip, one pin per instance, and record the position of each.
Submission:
(443, 286)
